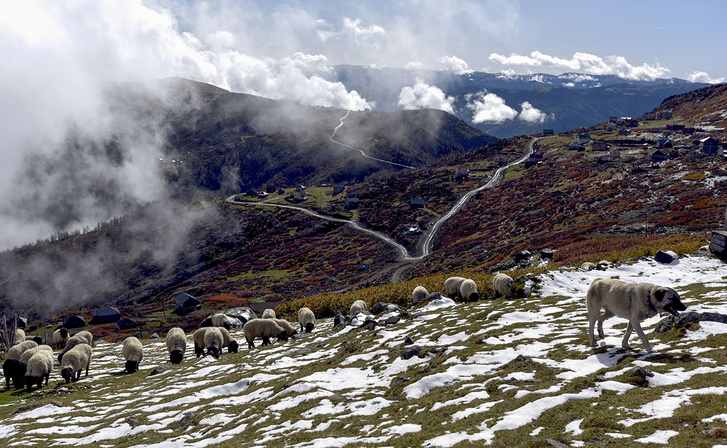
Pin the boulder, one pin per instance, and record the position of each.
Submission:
(666, 256)
(671, 322)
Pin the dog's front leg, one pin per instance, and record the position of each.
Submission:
(625, 342)
(637, 326)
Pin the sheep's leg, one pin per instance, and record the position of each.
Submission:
(266, 341)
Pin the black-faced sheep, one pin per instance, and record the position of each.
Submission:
(290, 329)
(213, 341)
(74, 361)
(133, 353)
(82, 337)
(227, 341)
(357, 306)
(269, 313)
(198, 339)
(176, 344)
(37, 339)
(307, 319)
(221, 320)
(39, 367)
(265, 329)
(463, 288)
(14, 370)
(502, 284)
(60, 337)
(420, 293)
(32, 351)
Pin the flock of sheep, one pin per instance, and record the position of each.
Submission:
(29, 361)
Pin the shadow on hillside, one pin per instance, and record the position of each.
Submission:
(614, 356)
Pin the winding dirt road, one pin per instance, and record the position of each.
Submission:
(426, 241)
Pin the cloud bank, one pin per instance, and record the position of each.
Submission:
(585, 63)
(488, 107)
(423, 96)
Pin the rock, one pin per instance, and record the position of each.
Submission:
(408, 341)
(685, 319)
(666, 256)
(157, 370)
(703, 252)
(554, 443)
(522, 358)
(411, 351)
(185, 421)
(370, 324)
(392, 320)
(399, 380)
(588, 266)
(339, 320)
(717, 432)
(603, 265)
(154, 336)
(384, 307)
(523, 256)
(640, 372)
(547, 254)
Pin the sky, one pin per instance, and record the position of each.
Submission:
(59, 58)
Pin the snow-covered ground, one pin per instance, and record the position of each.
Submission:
(353, 387)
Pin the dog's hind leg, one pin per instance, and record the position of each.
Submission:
(604, 316)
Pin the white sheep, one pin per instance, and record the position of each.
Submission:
(198, 339)
(17, 350)
(176, 344)
(213, 341)
(502, 284)
(82, 337)
(221, 320)
(464, 288)
(265, 329)
(39, 366)
(357, 306)
(420, 293)
(227, 341)
(133, 353)
(74, 361)
(290, 329)
(307, 319)
(60, 337)
(32, 351)
(269, 313)
(19, 336)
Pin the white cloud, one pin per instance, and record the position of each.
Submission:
(532, 114)
(488, 107)
(353, 32)
(424, 96)
(704, 77)
(455, 64)
(586, 63)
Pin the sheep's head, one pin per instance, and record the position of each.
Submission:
(32, 380)
(309, 327)
(176, 356)
(131, 366)
(64, 333)
(67, 374)
(233, 347)
(283, 336)
(474, 297)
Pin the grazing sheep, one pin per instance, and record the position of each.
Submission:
(463, 288)
(420, 293)
(82, 337)
(502, 284)
(19, 336)
(60, 337)
(307, 319)
(357, 306)
(227, 341)
(588, 266)
(290, 329)
(32, 351)
(221, 320)
(37, 339)
(198, 339)
(133, 352)
(39, 366)
(17, 350)
(14, 369)
(269, 314)
(176, 344)
(265, 329)
(213, 341)
(74, 361)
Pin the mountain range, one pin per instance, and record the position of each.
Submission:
(567, 101)
(578, 203)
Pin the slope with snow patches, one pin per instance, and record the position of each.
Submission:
(502, 372)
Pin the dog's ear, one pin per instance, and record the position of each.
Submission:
(659, 294)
